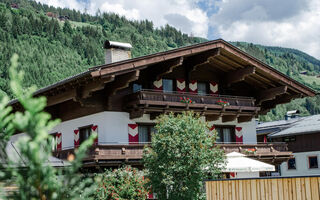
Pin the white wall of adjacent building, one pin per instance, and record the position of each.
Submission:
(113, 128)
(302, 165)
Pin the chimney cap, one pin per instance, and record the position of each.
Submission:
(111, 44)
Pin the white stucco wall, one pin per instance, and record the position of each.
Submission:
(113, 128)
(302, 165)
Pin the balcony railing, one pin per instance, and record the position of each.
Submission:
(158, 101)
(113, 154)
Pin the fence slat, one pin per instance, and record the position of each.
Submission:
(314, 188)
(295, 188)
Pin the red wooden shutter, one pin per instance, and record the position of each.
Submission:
(181, 85)
(214, 88)
(157, 84)
(239, 135)
(133, 133)
(59, 141)
(95, 129)
(264, 139)
(193, 86)
(76, 138)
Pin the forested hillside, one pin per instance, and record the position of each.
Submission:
(54, 43)
(51, 49)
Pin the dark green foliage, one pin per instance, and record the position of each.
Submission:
(51, 50)
(181, 156)
(32, 174)
(125, 183)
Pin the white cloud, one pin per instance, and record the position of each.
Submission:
(286, 23)
(183, 14)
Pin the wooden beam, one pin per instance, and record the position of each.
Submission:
(65, 96)
(244, 119)
(229, 118)
(270, 94)
(279, 100)
(212, 117)
(239, 75)
(122, 81)
(136, 113)
(167, 67)
(95, 86)
(153, 116)
(204, 60)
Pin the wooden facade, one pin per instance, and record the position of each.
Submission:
(302, 142)
(290, 188)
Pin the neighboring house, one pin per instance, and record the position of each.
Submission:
(267, 128)
(121, 99)
(302, 134)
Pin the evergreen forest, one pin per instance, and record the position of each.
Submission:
(55, 43)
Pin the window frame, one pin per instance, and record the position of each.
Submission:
(149, 125)
(295, 164)
(84, 127)
(233, 133)
(315, 156)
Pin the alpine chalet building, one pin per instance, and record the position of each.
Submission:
(121, 99)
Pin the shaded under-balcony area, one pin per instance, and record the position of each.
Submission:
(117, 154)
(154, 102)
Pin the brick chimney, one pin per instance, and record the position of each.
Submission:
(116, 51)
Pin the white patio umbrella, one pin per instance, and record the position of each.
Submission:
(237, 162)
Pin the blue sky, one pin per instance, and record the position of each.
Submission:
(286, 23)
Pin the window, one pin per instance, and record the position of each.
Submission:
(136, 87)
(202, 88)
(167, 85)
(313, 162)
(292, 163)
(85, 132)
(145, 132)
(225, 134)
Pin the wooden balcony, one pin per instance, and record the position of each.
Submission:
(157, 102)
(116, 154)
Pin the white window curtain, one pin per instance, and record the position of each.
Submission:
(227, 135)
(143, 134)
(202, 88)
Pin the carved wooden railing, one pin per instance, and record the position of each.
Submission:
(159, 96)
(134, 152)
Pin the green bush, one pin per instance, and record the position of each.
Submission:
(181, 156)
(125, 183)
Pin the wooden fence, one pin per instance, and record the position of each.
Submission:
(291, 188)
